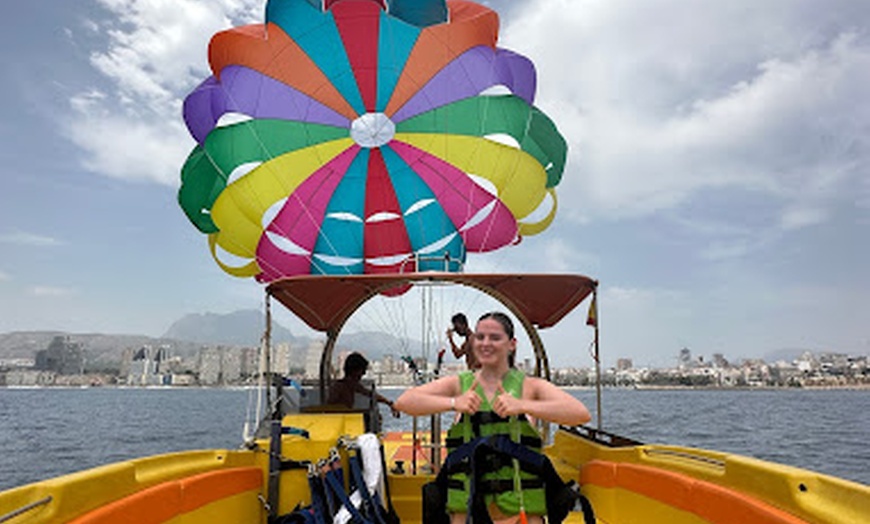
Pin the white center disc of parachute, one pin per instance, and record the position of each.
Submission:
(372, 130)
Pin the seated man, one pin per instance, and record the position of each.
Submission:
(343, 390)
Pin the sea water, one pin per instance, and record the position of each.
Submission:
(52, 431)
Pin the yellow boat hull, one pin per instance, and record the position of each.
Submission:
(625, 485)
(670, 484)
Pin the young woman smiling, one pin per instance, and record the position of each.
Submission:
(495, 399)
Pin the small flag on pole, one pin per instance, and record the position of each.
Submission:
(592, 316)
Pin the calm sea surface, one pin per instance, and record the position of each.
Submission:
(49, 432)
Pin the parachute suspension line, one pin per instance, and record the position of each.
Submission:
(400, 319)
(397, 318)
(439, 332)
(388, 315)
(435, 320)
(390, 319)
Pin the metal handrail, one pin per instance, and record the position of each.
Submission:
(650, 451)
(602, 437)
(25, 509)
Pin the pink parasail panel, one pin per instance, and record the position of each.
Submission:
(462, 199)
(300, 219)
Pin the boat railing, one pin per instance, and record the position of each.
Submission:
(418, 263)
(665, 452)
(24, 509)
(611, 440)
(649, 451)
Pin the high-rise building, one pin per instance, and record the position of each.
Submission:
(685, 358)
(250, 362)
(281, 358)
(624, 364)
(312, 359)
(231, 365)
(62, 356)
(210, 366)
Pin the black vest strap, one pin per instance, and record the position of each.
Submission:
(560, 498)
(294, 464)
(495, 462)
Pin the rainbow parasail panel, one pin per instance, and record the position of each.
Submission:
(366, 136)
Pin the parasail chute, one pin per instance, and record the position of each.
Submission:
(367, 136)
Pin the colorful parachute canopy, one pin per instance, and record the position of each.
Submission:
(366, 136)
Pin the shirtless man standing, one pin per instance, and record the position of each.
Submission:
(460, 327)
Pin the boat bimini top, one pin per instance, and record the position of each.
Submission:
(326, 302)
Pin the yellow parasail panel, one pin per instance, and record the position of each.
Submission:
(533, 228)
(248, 270)
(239, 209)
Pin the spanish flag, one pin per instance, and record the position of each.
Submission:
(592, 316)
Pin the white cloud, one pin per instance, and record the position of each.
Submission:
(120, 147)
(23, 238)
(802, 217)
(558, 256)
(767, 98)
(4, 276)
(156, 51)
(535, 255)
(720, 250)
(51, 291)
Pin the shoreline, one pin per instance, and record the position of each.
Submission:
(856, 387)
(643, 387)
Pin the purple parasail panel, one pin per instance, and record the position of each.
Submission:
(473, 71)
(243, 90)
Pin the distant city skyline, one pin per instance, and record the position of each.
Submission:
(62, 363)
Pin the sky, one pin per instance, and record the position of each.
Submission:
(718, 179)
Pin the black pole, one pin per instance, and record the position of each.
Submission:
(274, 469)
(597, 359)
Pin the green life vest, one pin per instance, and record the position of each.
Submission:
(500, 479)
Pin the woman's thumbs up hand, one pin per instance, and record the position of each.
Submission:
(468, 402)
(505, 405)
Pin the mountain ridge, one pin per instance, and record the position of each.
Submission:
(238, 328)
(188, 334)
